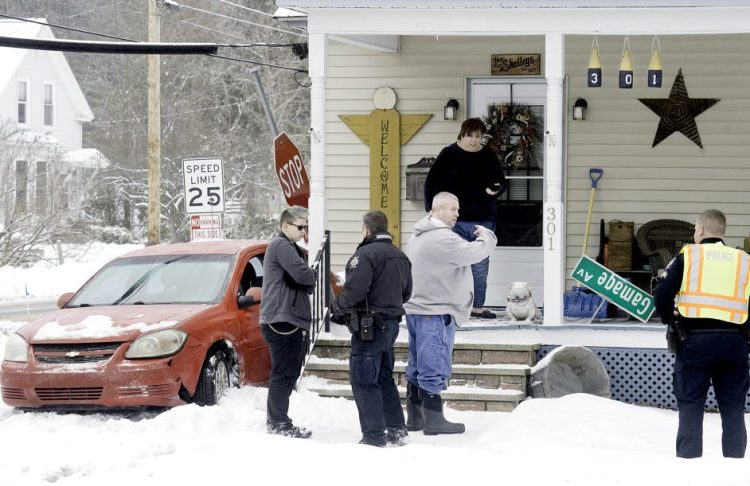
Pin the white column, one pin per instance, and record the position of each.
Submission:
(553, 221)
(318, 47)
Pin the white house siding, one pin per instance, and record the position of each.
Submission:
(426, 72)
(676, 179)
(37, 68)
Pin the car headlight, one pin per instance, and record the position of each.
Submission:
(16, 349)
(157, 344)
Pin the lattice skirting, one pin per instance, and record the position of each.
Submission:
(641, 376)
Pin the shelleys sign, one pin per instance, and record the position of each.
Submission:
(204, 185)
(291, 171)
(510, 64)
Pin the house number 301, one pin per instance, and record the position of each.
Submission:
(551, 227)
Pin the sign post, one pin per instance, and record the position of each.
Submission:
(291, 171)
(614, 288)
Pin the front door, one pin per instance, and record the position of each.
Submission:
(514, 110)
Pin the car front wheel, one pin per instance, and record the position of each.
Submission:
(214, 379)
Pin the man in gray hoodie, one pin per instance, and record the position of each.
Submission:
(442, 296)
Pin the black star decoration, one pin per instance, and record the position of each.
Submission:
(678, 112)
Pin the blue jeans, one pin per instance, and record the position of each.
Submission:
(465, 229)
(706, 358)
(375, 392)
(430, 351)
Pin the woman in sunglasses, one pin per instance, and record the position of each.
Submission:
(285, 316)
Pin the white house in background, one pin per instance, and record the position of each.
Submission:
(42, 111)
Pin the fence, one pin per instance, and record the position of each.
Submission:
(321, 298)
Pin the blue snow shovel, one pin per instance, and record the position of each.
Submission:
(594, 174)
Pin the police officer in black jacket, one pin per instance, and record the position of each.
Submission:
(378, 282)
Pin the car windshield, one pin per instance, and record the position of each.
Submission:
(166, 279)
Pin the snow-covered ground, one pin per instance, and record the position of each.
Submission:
(48, 279)
(576, 440)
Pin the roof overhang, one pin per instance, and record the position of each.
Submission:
(502, 21)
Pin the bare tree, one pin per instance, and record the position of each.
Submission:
(33, 202)
(210, 106)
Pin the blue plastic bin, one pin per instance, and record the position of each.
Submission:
(582, 302)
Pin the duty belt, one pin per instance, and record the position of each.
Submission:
(715, 330)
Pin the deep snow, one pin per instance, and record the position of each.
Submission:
(574, 440)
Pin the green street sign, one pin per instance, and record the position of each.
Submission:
(614, 288)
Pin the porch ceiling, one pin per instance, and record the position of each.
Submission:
(457, 4)
(499, 19)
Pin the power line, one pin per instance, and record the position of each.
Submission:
(254, 44)
(210, 29)
(178, 114)
(36, 43)
(240, 20)
(258, 63)
(138, 42)
(67, 28)
(246, 8)
(112, 5)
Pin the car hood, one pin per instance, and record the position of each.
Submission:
(106, 323)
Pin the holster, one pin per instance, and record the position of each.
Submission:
(675, 337)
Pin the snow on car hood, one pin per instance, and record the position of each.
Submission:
(122, 323)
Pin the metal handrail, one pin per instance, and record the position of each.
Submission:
(320, 299)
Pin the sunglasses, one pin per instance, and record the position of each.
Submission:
(300, 227)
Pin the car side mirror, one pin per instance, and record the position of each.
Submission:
(63, 300)
(251, 297)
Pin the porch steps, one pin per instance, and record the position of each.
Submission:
(486, 377)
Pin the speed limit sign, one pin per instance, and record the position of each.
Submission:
(204, 185)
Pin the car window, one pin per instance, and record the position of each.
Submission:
(166, 279)
(252, 276)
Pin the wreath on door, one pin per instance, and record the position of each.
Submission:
(513, 132)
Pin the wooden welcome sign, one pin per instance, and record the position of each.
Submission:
(385, 130)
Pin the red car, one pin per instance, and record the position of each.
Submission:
(161, 326)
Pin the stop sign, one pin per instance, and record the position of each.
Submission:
(291, 171)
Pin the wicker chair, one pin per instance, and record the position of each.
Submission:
(661, 239)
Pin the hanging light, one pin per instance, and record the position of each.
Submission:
(654, 65)
(626, 66)
(595, 66)
(450, 111)
(579, 109)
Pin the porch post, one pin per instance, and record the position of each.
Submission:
(553, 221)
(318, 47)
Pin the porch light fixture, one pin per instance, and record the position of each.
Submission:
(450, 112)
(579, 109)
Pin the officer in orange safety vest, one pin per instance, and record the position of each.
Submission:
(705, 292)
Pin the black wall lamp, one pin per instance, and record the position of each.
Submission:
(450, 112)
(579, 109)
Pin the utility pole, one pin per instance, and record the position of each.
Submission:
(154, 129)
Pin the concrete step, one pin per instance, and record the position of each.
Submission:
(505, 376)
(463, 353)
(456, 397)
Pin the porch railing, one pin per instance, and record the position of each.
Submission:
(321, 299)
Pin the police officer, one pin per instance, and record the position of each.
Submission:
(711, 284)
(378, 282)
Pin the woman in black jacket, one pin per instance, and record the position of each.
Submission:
(285, 316)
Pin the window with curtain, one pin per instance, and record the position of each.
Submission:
(49, 104)
(22, 97)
